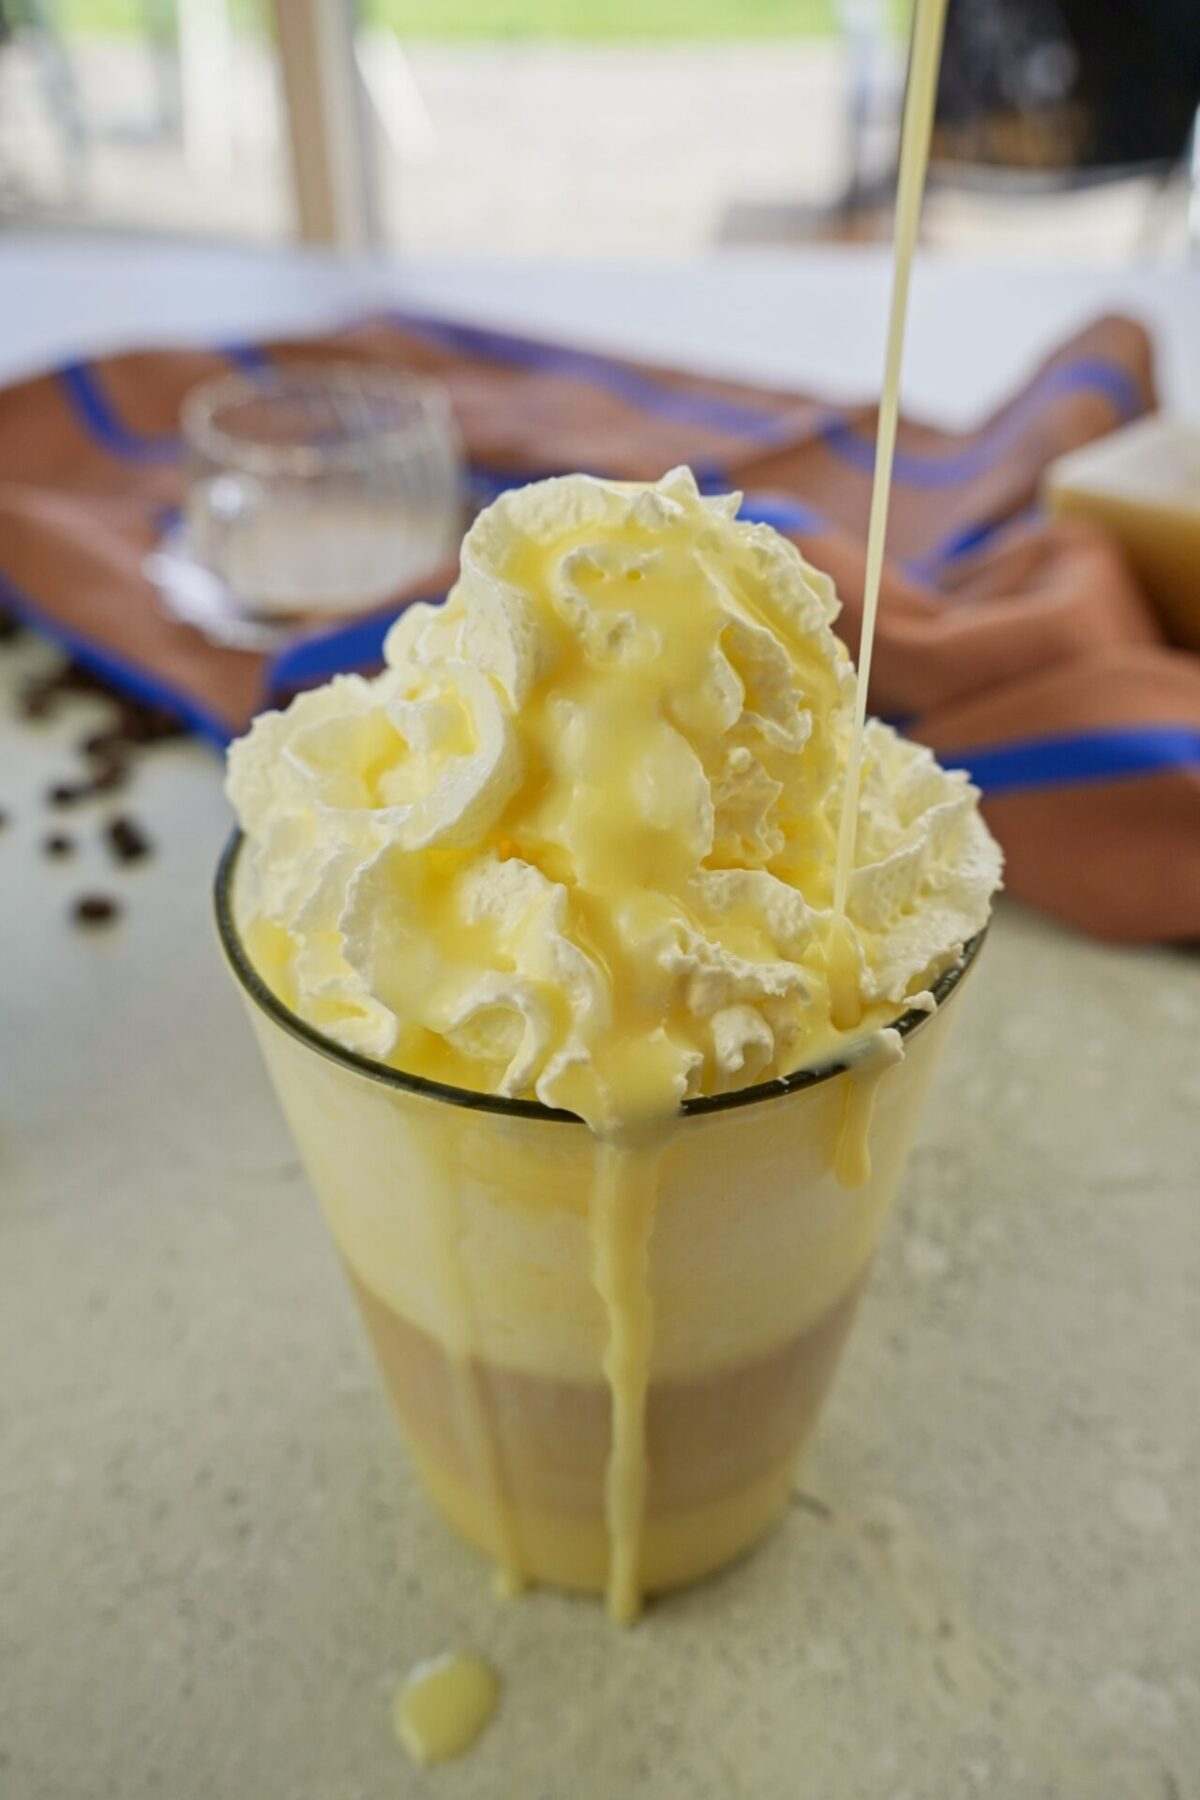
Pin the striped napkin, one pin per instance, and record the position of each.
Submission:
(1020, 649)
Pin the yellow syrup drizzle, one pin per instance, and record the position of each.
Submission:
(852, 1160)
(919, 98)
(474, 1419)
(622, 1218)
(852, 1156)
(844, 973)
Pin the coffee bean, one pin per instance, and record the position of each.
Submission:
(58, 844)
(66, 794)
(94, 909)
(108, 778)
(107, 745)
(127, 841)
(35, 701)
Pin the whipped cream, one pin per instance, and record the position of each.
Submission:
(576, 842)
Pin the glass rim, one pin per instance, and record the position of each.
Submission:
(204, 435)
(387, 1075)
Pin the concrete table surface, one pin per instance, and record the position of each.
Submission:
(214, 1563)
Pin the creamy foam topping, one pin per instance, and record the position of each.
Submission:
(576, 842)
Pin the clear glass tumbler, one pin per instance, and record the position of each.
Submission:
(323, 488)
(463, 1221)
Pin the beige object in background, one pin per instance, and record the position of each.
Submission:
(1143, 483)
(466, 1231)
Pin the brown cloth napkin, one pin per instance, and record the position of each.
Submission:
(1021, 650)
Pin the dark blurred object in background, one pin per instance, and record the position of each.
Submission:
(1068, 86)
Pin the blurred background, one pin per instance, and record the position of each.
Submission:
(596, 128)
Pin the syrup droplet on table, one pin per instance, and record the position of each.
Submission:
(444, 1706)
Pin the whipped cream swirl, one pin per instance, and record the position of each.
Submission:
(576, 841)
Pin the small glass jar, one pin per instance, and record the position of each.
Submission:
(320, 489)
